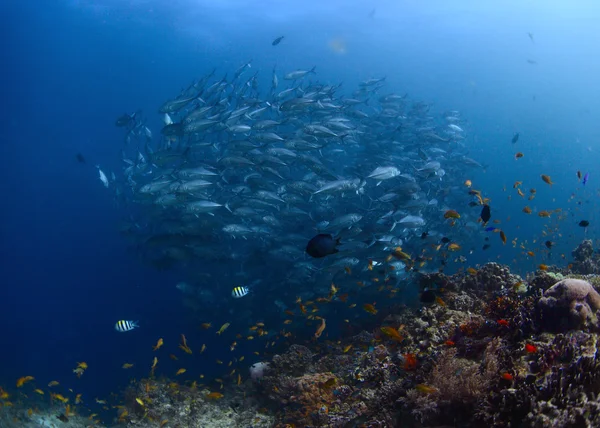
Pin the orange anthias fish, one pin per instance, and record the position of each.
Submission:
(503, 323)
(392, 333)
(23, 380)
(451, 214)
(425, 389)
(547, 179)
(503, 237)
(159, 343)
(370, 308)
(320, 329)
(214, 396)
(453, 246)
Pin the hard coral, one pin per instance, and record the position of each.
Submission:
(569, 304)
(295, 362)
(492, 277)
(585, 260)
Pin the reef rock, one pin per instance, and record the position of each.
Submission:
(569, 304)
(585, 261)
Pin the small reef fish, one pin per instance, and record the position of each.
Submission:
(102, 176)
(214, 396)
(320, 328)
(425, 389)
(546, 179)
(392, 333)
(123, 326)
(23, 380)
(159, 343)
(451, 214)
(322, 245)
(370, 308)
(223, 328)
(238, 292)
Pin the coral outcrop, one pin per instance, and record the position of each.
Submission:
(570, 304)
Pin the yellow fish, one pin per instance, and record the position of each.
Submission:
(214, 395)
(23, 380)
(127, 366)
(223, 328)
(180, 371)
(158, 344)
(140, 402)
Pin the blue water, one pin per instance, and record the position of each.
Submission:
(72, 67)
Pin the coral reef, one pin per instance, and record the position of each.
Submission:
(494, 350)
(491, 350)
(159, 403)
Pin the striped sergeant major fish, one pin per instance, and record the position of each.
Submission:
(240, 292)
(123, 326)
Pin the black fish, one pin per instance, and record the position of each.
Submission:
(486, 214)
(80, 158)
(277, 41)
(549, 244)
(515, 138)
(427, 296)
(486, 246)
(126, 120)
(322, 245)
(424, 235)
(62, 418)
(445, 240)
(584, 223)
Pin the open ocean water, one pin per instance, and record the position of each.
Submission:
(76, 256)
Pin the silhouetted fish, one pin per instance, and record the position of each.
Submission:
(322, 245)
(486, 214)
(277, 41)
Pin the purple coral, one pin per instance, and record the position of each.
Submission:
(569, 304)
